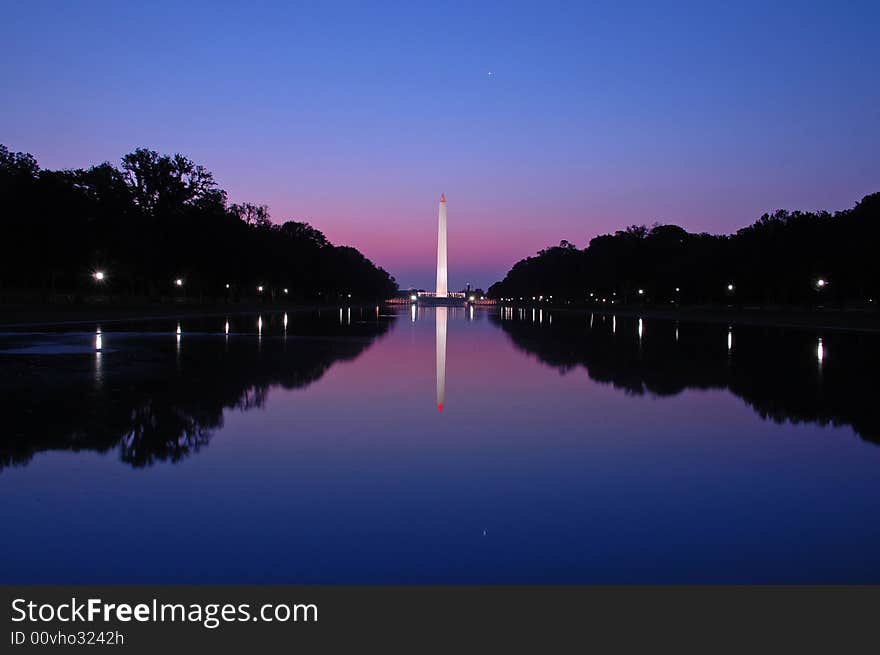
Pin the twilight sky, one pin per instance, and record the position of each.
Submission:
(355, 117)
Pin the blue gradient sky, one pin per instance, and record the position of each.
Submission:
(356, 117)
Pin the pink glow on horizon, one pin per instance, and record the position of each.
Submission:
(489, 231)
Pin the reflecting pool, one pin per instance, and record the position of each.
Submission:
(447, 445)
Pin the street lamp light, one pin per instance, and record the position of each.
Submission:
(178, 282)
(260, 289)
(821, 282)
(641, 292)
(99, 276)
(730, 287)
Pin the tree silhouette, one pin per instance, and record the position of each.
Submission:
(155, 219)
(168, 182)
(780, 259)
(252, 214)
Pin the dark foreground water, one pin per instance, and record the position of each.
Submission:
(570, 449)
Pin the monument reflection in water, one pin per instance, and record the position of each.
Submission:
(441, 356)
(571, 448)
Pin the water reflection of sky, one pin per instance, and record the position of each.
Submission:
(544, 466)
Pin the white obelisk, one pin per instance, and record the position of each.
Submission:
(441, 249)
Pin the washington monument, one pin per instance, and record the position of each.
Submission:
(441, 250)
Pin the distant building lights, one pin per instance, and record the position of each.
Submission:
(260, 289)
(730, 287)
(178, 282)
(99, 276)
(821, 282)
(285, 291)
(641, 292)
(227, 285)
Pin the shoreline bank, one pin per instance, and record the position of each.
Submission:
(48, 315)
(854, 321)
(16, 316)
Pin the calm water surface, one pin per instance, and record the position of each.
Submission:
(438, 446)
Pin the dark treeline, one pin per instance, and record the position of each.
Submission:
(152, 399)
(795, 258)
(776, 372)
(151, 221)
